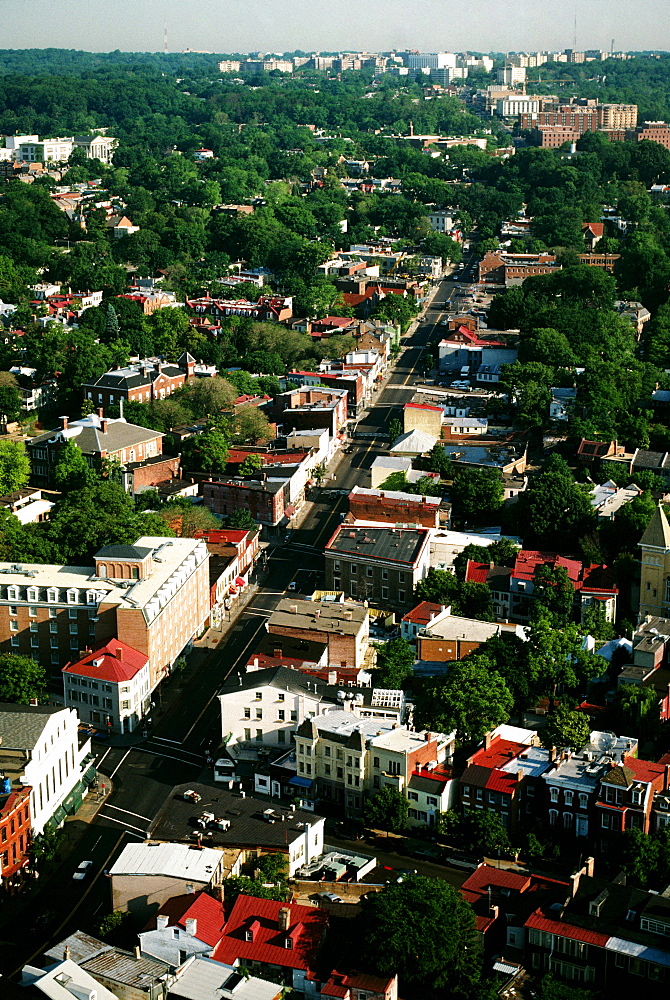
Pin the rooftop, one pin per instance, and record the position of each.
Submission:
(123, 967)
(204, 979)
(174, 860)
(319, 616)
(88, 434)
(359, 493)
(249, 820)
(400, 545)
(306, 927)
(21, 726)
(114, 662)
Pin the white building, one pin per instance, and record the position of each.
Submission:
(64, 981)
(186, 925)
(441, 220)
(202, 978)
(121, 676)
(40, 745)
(517, 104)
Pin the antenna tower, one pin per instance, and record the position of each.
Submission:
(165, 44)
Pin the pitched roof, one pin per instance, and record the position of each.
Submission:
(657, 532)
(422, 613)
(565, 930)
(116, 661)
(307, 925)
(21, 726)
(89, 436)
(202, 907)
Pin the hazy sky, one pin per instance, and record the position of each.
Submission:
(278, 25)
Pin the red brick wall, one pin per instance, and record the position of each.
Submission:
(393, 511)
(15, 825)
(155, 473)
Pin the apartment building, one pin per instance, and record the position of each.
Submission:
(382, 564)
(140, 382)
(311, 407)
(343, 628)
(266, 309)
(265, 500)
(393, 507)
(40, 751)
(153, 596)
(15, 826)
(348, 758)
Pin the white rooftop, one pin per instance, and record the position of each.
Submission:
(341, 723)
(359, 491)
(172, 860)
(204, 979)
(413, 442)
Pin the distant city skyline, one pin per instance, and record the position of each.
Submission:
(223, 26)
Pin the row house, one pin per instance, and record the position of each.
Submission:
(266, 309)
(40, 753)
(626, 798)
(266, 500)
(345, 628)
(312, 407)
(513, 589)
(351, 382)
(150, 302)
(348, 758)
(608, 936)
(463, 346)
(15, 826)
(500, 268)
(504, 777)
(232, 557)
(379, 563)
(153, 596)
(651, 645)
(573, 782)
(140, 382)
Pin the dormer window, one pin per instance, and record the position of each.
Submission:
(288, 943)
(12, 593)
(52, 595)
(249, 935)
(73, 597)
(33, 594)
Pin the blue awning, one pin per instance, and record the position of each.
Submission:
(302, 782)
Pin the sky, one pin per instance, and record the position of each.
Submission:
(375, 25)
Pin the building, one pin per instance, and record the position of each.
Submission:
(573, 782)
(128, 975)
(391, 507)
(267, 501)
(242, 827)
(184, 926)
(147, 875)
(15, 826)
(119, 671)
(440, 220)
(62, 981)
(626, 798)
(266, 309)
(262, 710)
(418, 618)
(503, 777)
(277, 939)
(382, 564)
(139, 450)
(153, 596)
(140, 382)
(311, 408)
(655, 574)
(422, 417)
(448, 637)
(344, 628)
(201, 978)
(41, 752)
(348, 758)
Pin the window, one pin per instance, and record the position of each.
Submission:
(73, 629)
(553, 816)
(375, 762)
(553, 794)
(281, 715)
(53, 613)
(259, 735)
(353, 569)
(13, 626)
(281, 736)
(567, 796)
(73, 597)
(369, 571)
(247, 734)
(247, 713)
(567, 821)
(294, 716)
(33, 594)
(281, 697)
(258, 696)
(32, 611)
(401, 596)
(259, 713)
(385, 593)
(12, 594)
(340, 772)
(583, 800)
(326, 751)
(327, 768)
(53, 626)
(34, 627)
(72, 613)
(412, 796)
(34, 640)
(15, 640)
(13, 610)
(53, 641)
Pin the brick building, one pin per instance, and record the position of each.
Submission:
(266, 309)
(311, 407)
(392, 507)
(15, 823)
(344, 627)
(265, 500)
(140, 382)
(651, 132)
(446, 637)
(379, 564)
(153, 596)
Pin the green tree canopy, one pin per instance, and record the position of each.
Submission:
(566, 728)
(14, 466)
(471, 699)
(386, 809)
(395, 663)
(21, 679)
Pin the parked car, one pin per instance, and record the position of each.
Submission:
(82, 870)
(329, 897)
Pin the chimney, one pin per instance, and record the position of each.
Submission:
(348, 616)
(101, 412)
(332, 676)
(553, 754)
(574, 883)
(63, 423)
(487, 741)
(294, 609)
(192, 926)
(103, 425)
(162, 921)
(589, 866)
(118, 653)
(284, 918)
(138, 953)
(66, 952)
(317, 613)
(666, 780)
(519, 774)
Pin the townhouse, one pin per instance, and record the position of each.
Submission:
(311, 408)
(626, 796)
(15, 827)
(119, 671)
(266, 309)
(344, 628)
(153, 596)
(346, 758)
(651, 644)
(40, 752)
(394, 507)
(382, 564)
(141, 381)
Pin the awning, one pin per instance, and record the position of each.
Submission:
(505, 967)
(59, 816)
(240, 581)
(301, 782)
(232, 589)
(89, 775)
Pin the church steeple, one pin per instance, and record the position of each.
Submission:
(657, 532)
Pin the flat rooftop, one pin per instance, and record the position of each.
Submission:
(341, 724)
(402, 545)
(319, 616)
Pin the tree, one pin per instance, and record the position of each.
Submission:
(14, 466)
(635, 711)
(470, 699)
(207, 396)
(566, 728)
(251, 464)
(241, 519)
(395, 429)
(387, 809)
(438, 461)
(207, 452)
(395, 663)
(251, 425)
(556, 508)
(71, 470)
(21, 679)
(111, 324)
(236, 885)
(423, 930)
(557, 659)
(10, 397)
(484, 831)
(476, 493)
(554, 594)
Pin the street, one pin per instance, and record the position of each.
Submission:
(142, 774)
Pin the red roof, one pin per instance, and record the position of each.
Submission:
(645, 770)
(565, 930)
(422, 406)
(502, 781)
(529, 560)
(307, 925)
(597, 228)
(204, 908)
(422, 613)
(499, 753)
(334, 321)
(477, 572)
(114, 662)
(219, 536)
(484, 876)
